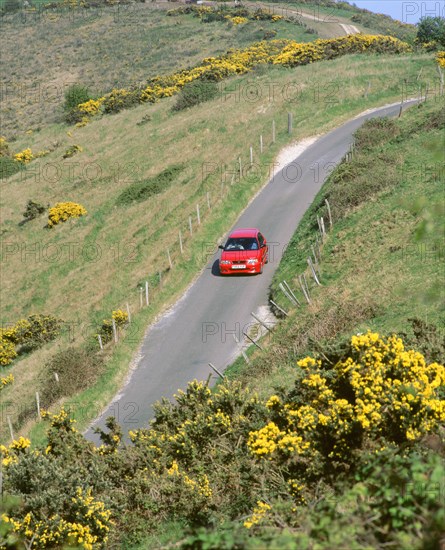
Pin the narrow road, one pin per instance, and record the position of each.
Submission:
(199, 328)
(322, 18)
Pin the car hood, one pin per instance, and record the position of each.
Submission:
(239, 255)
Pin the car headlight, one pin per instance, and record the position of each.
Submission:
(252, 261)
(225, 262)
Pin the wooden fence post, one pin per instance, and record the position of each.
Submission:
(278, 307)
(170, 263)
(11, 432)
(38, 405)
(216, 370)
(329, 212)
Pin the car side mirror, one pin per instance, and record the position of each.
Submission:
(221, 247)
(263, 245)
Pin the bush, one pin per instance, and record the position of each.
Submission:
(4, 147)
(431, 29)
(143, 190)
(371, 392)
(377, 131)
(77, 93)
(33, 210)
(7, 351)
(76, 368)
(195, 93)
(71, 151)
(106, 330)
(62, 211)
(33, 332)
(24, 156)
(8, 167)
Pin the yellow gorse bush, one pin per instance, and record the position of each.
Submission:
(6, 381)
(62, 211)
(7, 350)
(380, 391)
(258, 514)
(88, 527)
(4, 147)
(277, 52)
(440, 58)
(24, 156)
(236, 20)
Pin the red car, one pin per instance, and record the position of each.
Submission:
(244, 252)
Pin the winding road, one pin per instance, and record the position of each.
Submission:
(199, 328)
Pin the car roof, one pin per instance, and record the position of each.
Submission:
(249, 232)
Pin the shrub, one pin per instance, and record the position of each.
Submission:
(76, 368)
(7, 351)
(4, 147)
(6, 381)
(24, 157)
(195, 93)
(106, 331)
(77, 93)
(33, 210)
(377, 131)
(369, 393)
(71, 151)
(431, 29)
(117, 100)
(34, 332)
(143, 190)
(62, 211)
(8, 167)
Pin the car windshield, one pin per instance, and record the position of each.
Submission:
(242, 243)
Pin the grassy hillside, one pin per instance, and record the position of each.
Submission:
(117, 247)
(83, 270)
(345, 451)
(102, 48)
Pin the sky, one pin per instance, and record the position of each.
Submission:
(408, 11)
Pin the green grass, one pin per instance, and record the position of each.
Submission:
(381, 263)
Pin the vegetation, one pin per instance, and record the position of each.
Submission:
(224, 468)
(238, 471)
(277, 52)
(143, 190)
(195, 93)
(111, 247)
(342, 444)
(134, 43)
(431, 32)
(33, 210)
